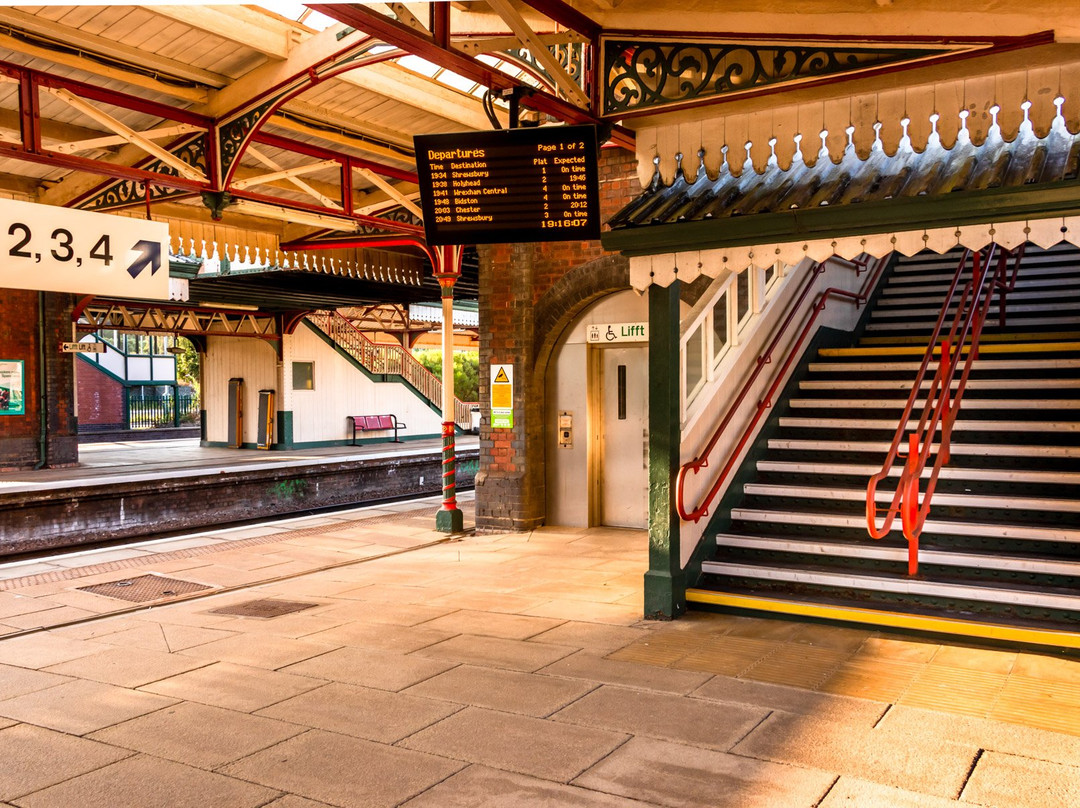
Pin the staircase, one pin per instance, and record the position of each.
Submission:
(1000, 553)
(394, 361)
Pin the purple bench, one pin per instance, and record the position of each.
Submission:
(375, 423)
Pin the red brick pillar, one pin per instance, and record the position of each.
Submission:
(528, 294)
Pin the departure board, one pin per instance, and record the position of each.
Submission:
(533, 184)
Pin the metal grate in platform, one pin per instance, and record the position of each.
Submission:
(144, 588)
(264, 608)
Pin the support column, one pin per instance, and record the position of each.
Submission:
(449, 518)
(665, 582)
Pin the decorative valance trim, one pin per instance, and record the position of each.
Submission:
(750, 141)
(687, 265)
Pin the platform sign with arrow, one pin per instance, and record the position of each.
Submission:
(53, 249)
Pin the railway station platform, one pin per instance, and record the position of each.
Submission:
(364, 659)
(137, 488)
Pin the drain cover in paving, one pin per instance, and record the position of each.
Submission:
(144, 588)
(265, 608)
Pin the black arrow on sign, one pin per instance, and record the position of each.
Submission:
(149, 256)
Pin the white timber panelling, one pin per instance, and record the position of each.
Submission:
(254, 361)
(342, 390)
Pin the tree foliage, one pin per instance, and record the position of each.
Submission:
(187, 364)
(466, 371)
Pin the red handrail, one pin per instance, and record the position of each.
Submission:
(942, 405)
(702, 460)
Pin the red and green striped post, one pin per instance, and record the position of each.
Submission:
(449, 518)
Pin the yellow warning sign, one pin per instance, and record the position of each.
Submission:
(502, 396)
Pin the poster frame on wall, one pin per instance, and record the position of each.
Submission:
(12, 387)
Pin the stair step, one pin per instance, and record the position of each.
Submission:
(918, 348)
(943, 278)
(927, 316)
(969, 403)
(879, 551)
(1039, 338)
(1026, 322)
(1020, 476)
(980, 366)
(994, 531)
(1057, 291)
(899, 585)
(836, 425)
(955, 448)
(972, 384)
(940, 497)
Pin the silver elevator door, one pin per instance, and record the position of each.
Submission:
(624, 433)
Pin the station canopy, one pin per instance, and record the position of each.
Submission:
(276, 140)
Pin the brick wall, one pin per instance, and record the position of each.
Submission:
(529, 293)
(101, 397)
(19, 434)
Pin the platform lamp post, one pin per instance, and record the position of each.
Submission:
(447, 265)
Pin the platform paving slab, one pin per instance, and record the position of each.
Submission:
(791, 699)
(198, 735)
(591, 666)
(126, 667)
(375, 715)
(381, 636)
(163, 637)
(482, 787)
(44, 649)
(934, 765)
(507, 691)
(590, 611)
(517, 743)
(292, 801)
(600, 638)
(234, 687)
(916, 724)
(343, 770)
(19, 681)
(495, 652)
(258, 651)
(665, 716)
(492, 624)
(851, 792)
(80, 706)
(679, 776)
(35, 758)
(370, 668)
(1001, 779)
(150, 783)
(47, 618)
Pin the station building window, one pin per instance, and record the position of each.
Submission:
(303, 375)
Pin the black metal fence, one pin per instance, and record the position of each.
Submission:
(151, 412)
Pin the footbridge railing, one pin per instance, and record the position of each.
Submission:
(990, 274)
(388, 359)
(702, 460)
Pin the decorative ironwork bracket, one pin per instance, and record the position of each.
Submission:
(642, 75)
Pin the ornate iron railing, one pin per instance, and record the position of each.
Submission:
(389, 360)
(702, 460)
(942, 403)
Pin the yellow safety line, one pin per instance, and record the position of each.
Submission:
(913, 622)
(1057, 336)
(1032, 347)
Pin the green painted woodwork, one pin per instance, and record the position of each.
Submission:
(665, 583)
(1040, 201)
